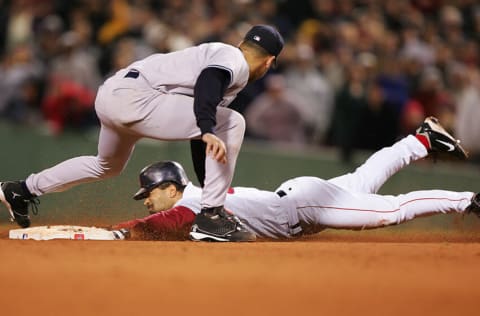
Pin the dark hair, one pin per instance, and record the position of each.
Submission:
(259, 50)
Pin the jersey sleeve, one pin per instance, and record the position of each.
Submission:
(173, 224)
(230, 59)
(208, 93)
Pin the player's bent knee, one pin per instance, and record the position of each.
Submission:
(110, 169)
(237, 131)
(230, 121)
(239, 121)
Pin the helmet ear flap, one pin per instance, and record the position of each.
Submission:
(155, 174)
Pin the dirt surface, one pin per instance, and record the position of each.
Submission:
(328, 274)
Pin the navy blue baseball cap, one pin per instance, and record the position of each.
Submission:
(266, 37)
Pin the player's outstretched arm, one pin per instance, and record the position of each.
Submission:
(173, 224)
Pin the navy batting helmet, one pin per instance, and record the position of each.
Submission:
(160, 172)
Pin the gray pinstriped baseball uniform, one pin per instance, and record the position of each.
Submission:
(153, 98)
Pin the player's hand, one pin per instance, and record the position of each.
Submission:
(215, 147)
(121, 234)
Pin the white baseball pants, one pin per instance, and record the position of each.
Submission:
(350, 201)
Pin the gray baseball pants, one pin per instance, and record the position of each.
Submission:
(130, 109)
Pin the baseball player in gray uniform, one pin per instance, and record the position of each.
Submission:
(176, 96)
(307, 205)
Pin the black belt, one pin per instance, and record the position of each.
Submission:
(296, 227)
(132, 74)
(281, 193)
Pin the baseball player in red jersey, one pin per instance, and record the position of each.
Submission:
(307, 205)
(176, 96)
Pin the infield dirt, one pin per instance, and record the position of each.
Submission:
(328, 274)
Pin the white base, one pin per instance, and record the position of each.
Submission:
(65, 232)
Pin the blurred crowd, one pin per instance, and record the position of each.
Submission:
(355, 74)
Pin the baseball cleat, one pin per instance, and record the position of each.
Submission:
(439, 140)
(474, 206)
(17, 199)
(217, 225)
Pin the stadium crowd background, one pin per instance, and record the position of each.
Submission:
(353, 74)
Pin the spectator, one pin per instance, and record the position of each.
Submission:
(19, 87)
(76, 63)
(468, 110)
(394, 84)
(379, 125)
(450, 25)
(408, 47)
(415, 48)
(118, 23)
(68, 105)
(412, 114)
(277, 114)
(47, 43)
(350, 102)
(310, 85)
(434, 98)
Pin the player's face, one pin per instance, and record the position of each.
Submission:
(262, 69)
(159, 200)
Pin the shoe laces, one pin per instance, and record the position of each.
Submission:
(230, 217)
(33, 204)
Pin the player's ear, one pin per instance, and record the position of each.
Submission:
(172, 191)
(270, 61)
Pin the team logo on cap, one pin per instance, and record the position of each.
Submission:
(257, 38)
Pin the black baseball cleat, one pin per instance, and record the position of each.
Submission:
(474, 206)
(216, 224)
(17, 199)
(439, 140)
